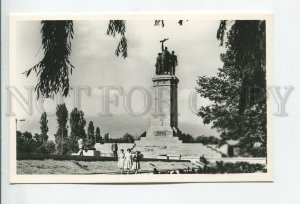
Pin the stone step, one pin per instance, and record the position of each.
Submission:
(158, 138)
(184, 155)
(184, 152)
(162, 143)
(173, 147)
(168, 151)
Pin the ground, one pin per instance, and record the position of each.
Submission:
(89, 167)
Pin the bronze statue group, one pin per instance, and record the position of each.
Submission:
(165, 62)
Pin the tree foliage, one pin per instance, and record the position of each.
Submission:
(90, 140)
(128, 138)
(207, 140)
(237, 94)
(77, 125)
(144, 134)
(44, 128)
(106, 137)
(98, 136)
(50, 147)
(162, 23)
(54, 69)
(184, 137)
(61, 136)
(118, 27)
(25, 142)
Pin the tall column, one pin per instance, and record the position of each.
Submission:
(165, 112)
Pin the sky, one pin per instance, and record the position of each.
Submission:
(96, 65)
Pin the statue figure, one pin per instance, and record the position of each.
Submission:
(158, 64)
(162, 43)
(166, 57)
(165, 62)
(174, 63)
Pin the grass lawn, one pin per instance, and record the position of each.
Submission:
(89, 167)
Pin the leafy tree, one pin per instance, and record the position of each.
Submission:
(237, 93)
(50, 147)
(77, 124)
(98, 136)
(20, 141)
(185, 138)
(61, 136)
(25, 142)
(90, 142)
(39, 144)
(38, 139)
(143, 134)
(54, 69)
(44, 127)
(207, 140)
(118, 27)
(41, 139)
(128, 138)
(106, 137)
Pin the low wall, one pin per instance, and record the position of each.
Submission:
(91, 153)
(105, 149)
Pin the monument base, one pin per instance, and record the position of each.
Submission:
(161, 138)
(160, 142)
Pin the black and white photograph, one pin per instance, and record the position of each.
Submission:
(130, 99)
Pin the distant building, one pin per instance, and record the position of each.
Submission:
(230, 148)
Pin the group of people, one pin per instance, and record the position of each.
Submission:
(128, 161)
(166, 62)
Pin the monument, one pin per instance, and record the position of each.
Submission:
(165, 111)
(162, 137)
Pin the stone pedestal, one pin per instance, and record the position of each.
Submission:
(165, 110)
(164, 123)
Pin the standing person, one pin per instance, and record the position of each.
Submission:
(136, 162)
(80, 145)
(128, 161)
(121, 160)
(174, 63)
(114, 149)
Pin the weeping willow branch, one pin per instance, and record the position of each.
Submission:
(118, 27)
(162, 23)
(159, 22)
(54, 69)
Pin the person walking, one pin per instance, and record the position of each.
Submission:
(80, 145)
(114, 149)
(121, 160)
(128, 161)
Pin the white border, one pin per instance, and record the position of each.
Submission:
(167, 178)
